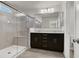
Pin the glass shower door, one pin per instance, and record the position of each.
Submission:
(21, 34)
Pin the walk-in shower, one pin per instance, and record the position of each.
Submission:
(13, 32)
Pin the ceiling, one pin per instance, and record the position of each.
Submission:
(30, 7)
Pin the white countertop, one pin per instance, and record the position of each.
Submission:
(45, 30)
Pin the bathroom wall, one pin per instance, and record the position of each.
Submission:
(69, 22)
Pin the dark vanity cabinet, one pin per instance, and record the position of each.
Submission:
(48, 41)
(56, 42)
(36, 40)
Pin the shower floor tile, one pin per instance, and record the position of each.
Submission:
(38, 53)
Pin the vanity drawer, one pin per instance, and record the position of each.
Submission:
(44, 34)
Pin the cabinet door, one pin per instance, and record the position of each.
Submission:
(35, 40)
(60, 42)
(52, 42)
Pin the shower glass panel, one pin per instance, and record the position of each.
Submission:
(8, 32)
(20, 40)
(21, 24)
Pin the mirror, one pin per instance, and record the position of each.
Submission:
(51, 20)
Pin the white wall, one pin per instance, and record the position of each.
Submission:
(69, 22)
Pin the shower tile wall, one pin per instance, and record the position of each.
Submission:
(21, 38)
(7, 31)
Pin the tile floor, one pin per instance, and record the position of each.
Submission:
(38, 53)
